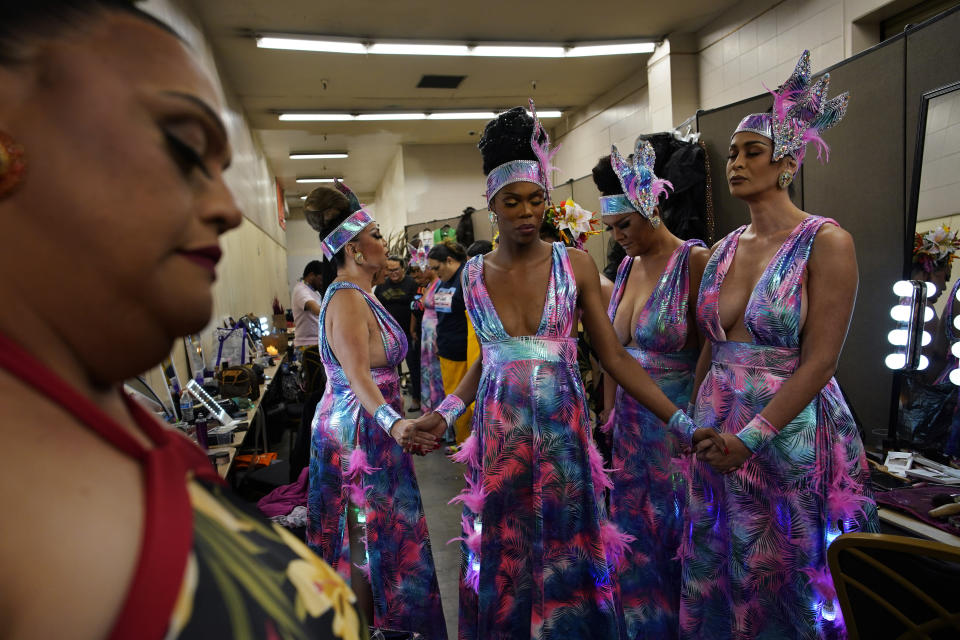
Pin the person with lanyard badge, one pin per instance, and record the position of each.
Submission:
(396, 294)
(791, 475)
(364, 511)
(537, 552)
(652, 309)
(118, 526)
(446, 260)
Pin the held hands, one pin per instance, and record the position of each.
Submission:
(725, 452)
(413, 439)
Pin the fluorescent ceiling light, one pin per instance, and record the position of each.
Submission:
(414, 49)
(312, 44)
(318, 156)
(309, 117)
(387, 116)
(330, 44)
(309, 180)
(612, 49)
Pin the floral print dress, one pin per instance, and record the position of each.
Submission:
(431, 386)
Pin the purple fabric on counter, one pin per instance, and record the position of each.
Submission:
(917, 501)
(282, 500)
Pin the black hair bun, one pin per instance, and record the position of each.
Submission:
(606, 178)
(507, 138)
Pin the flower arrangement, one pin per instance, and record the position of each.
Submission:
(936, 248)
(572, 222)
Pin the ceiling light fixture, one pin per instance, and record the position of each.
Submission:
(387, 116)
(329, 44)
(331, 155)
(310, 180)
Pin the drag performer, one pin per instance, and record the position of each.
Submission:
(774, 304)
(365, 513)
(652, 310)
(537, 549)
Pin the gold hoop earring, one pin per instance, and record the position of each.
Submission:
(12, 165)
(785, 179)
(358, 258)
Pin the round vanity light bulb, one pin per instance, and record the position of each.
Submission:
(926, 338)
(957, 295)
(903, 289)
(924, 363)
(956, 322)
(955, 377)
(927, 314)
(901, 313)
(955, 349)
(895, 361)
(898, 337)
(931, 289)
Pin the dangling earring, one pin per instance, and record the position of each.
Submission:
(655, 222)
(12, 164)
(493, 218)
(358, 258)
(785, 179)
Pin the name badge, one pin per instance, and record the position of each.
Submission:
(443, 300)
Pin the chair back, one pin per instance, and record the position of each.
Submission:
(896, 587)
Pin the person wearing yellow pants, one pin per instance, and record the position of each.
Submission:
(447, 260)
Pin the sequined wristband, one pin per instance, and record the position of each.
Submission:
(386, 416)
(682, 426)
(757, 433)
(450, 409)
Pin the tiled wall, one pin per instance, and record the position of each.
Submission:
(617, 117)
(740, 53)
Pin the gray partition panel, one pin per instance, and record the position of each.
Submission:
(861, 187)
(715, 128)
(933, 61)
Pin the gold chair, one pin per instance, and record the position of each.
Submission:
(896, 587)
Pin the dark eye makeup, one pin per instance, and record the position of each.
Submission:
(185, 156)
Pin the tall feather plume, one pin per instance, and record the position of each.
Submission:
(542, 149)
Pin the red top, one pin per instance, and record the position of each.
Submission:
(168, 520)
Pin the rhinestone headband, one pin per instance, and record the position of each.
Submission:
(345, 232)
(511, 172)
(615, 205)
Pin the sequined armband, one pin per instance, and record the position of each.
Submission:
(757, 433)
(682, 426)
(450, 409)
(386, 416)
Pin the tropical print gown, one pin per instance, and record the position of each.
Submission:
(754, 552)
(533, 561)
(649, 492)
(431, 387)
(353, 460)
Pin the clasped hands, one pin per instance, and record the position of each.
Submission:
(420, 436)
(725, 452)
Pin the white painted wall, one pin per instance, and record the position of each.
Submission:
(440, 180)
(391, 209)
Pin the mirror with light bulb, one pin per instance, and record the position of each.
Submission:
(924, 337)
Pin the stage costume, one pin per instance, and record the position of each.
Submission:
(649, 492)
(754, 553)
(534, 561)
(356, 464)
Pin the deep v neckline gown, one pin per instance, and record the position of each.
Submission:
(533, 559)
(649, 492)
(399, 557)
(754, 551)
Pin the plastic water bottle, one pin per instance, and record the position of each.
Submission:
(186, 407)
